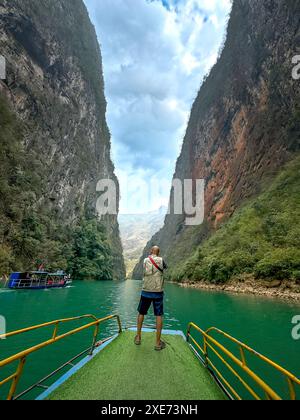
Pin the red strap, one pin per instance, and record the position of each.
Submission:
(154, 263)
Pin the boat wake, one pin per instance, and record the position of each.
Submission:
(6, 291)
(55, 289)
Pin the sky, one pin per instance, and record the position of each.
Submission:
(155, 54)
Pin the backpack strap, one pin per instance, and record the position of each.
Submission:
(155, 265)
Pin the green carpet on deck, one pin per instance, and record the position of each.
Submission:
(123, 371)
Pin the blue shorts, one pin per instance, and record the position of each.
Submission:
(158, 305)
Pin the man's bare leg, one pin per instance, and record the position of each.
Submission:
(140, 322)
(159, 327)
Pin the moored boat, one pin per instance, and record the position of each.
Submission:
(38, 280)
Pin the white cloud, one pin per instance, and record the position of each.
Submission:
(155, 55)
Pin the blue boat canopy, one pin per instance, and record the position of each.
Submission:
(15, 276)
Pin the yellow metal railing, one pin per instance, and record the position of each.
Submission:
(21, 357)
(210, 344)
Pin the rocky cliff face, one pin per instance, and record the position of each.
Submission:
(244, 124)
(55, 86)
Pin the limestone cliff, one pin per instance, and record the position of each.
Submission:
(55, 86)
(244, 124)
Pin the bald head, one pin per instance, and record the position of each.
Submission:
(155, 251)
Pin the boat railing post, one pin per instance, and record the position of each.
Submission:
(292, 390)
(55, 331)
(243, 357)
(120, 324)
(16, 379)
(205, 351)
(95, 335)
(188, 333)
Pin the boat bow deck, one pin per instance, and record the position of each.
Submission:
(123, 371)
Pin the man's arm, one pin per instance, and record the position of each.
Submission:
(165, 266)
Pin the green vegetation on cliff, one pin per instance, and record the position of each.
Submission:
(90, 254)
(262, 238)
(59, 97)
(32, 233)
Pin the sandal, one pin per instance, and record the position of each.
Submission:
(137, 341)
(161, 347)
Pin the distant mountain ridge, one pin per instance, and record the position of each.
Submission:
(136, 230)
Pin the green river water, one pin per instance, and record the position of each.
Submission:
(264, 324)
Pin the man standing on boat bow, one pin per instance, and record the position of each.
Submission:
(153, 293)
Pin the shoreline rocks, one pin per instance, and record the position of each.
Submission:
(275, 289)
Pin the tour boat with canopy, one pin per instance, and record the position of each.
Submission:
(38, 280)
